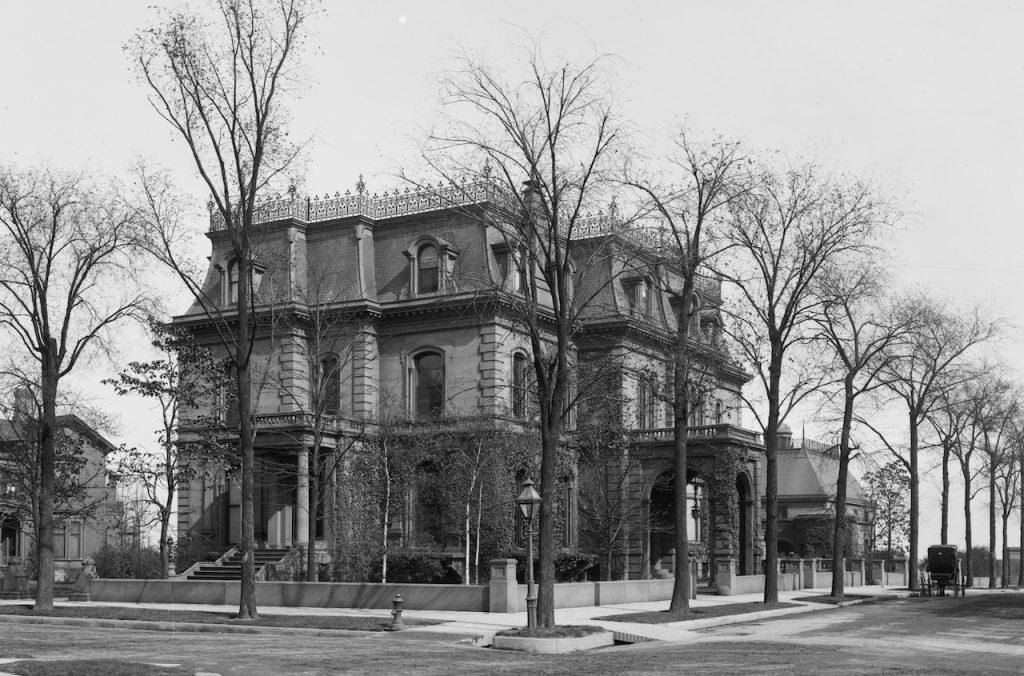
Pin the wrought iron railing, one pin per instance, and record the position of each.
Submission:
(396, 203)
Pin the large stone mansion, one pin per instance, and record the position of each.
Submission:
(428, 283)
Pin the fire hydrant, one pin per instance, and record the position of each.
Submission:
(396, 613)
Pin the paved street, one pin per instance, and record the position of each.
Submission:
(982, 634)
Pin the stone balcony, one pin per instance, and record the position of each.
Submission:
(722, 433)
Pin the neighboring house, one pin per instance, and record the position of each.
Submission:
(428, 288)
(808, 474)
(86, 494)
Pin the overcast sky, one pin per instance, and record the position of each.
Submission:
(927, 98)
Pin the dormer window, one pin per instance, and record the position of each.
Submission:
(231, 281)
(513, 267)
(431, 262)
(428, 270)
(694, 319)
(639, 296)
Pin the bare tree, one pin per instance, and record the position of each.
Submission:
(220, 85)
(859, 331)
(709, 178)
(951, 421)
(963, 408)
(180, 380)
(929, 363)
(554, 132)
(68, 251)
(785, 232)
(887, 489)
(996, 418)
(1008, 490)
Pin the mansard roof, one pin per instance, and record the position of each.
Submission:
(810, 472)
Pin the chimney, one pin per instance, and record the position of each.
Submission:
(532, 198)
(24, 404)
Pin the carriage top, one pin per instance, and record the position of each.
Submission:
(942, 559)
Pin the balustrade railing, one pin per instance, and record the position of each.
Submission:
(722, 431)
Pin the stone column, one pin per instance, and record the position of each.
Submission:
(301, 536)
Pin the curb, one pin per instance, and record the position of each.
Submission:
(423, 632)
(195, 627)
(804, 607)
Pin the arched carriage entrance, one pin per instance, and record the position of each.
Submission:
(661, 522)
(9, 529)
(744, 529)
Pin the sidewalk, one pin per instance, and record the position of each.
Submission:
(481, 627)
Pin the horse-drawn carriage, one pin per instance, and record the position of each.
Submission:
(944, 570)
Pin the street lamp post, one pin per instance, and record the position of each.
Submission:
(529, 500)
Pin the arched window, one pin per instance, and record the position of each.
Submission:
(694, 320)
(520, 386)
(645, 404)
(428, 268)
(330, 384)
(232, 293)
(695, 505)
(232, 278)
(719, 412)
(428, 385)
(227, 398)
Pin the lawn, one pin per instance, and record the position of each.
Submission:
(701, 613)
(825, 598)
(559, 631)
(91, 668)
(336, 622)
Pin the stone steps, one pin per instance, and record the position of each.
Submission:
(231, 568)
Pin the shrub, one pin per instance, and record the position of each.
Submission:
(413, 568)
(569, 566)
(193, 549)
(115, 562)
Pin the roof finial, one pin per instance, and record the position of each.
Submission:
(486, 171)
(360, 185)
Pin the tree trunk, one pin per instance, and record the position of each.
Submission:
(771, 447)
(48, 476)
(992, 524)
(1005, 572)
(968, 536)
(681, 412)
(385, 516)
(915, 501)
(479, 519)
(944, 525)
(165, 554)
(243, 372)
(839, 529)
(1020, 560)
(312, 508)
(552, 429)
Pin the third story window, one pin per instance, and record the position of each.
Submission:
(428, 389)
(520, 386)
(330, 384)
(428, 270)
